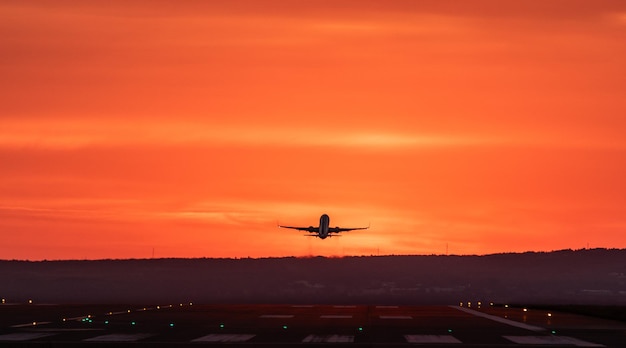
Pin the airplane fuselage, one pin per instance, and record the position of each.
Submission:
(323, 228)
(323, 231)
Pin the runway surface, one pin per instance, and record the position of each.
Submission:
(191, 324)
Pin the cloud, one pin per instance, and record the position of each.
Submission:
(62, 134)
(68, 134)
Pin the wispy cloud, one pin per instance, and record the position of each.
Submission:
(76, 134)
(72, 134)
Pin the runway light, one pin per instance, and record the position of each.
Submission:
(171, 324)
(34, 323)
(460, 304)
(553, 332)
(30, 301)
(110, 313)
(549, 314)
(4, 301)
(133, 323)
(158, 307)
(106, 322)
(284, 327)
(64, 319)
(191, 303)
(449, 330)
(525, 309)
(128, 311)
(360, 329)
(506, 306)
(221, 326)
(491, 304)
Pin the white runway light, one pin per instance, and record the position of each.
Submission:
(500, 320)
(431, 339)
(32, 323)
(224, 338)
(328, 339)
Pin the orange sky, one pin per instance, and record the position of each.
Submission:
(193, 127)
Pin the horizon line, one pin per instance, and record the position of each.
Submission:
(316, 256)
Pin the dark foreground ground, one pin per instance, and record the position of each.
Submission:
(187, 324)
(581, 277)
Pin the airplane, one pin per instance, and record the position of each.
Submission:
(323, 231)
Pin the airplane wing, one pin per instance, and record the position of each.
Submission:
(344, 229)
(311, 229)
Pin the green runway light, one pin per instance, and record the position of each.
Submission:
(171, 324)
(132, 323)
(106, 322)
(360, 329)
(449, 330)
(221, 326)
(285, 327)
(553, 332)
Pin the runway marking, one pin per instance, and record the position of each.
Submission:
(383, 307)
(431, 339)
(328, 339)
(335, 316)
(500, 320)
(119, 337)
(69, 330)
(350, 306)
(396, 317)
(34, 323)
(544, 340)
(24, 336)
(224, 338)
(276, 316)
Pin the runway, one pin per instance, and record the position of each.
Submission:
(301, 325)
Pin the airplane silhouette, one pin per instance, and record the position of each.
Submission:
(323, 230)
